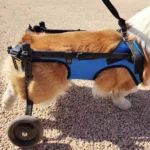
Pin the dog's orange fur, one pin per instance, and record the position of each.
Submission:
(50, 79)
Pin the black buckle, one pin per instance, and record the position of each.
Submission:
(15, 52)
(68, 56)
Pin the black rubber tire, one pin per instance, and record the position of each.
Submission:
(25, 131)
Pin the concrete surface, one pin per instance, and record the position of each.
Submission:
(77, 121)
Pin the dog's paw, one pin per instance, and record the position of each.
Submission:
(6, 107)
(7, 101)
(122, 103)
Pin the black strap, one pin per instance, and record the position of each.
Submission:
(111, 8)
(137, 58)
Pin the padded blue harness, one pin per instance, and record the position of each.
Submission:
(89, 69)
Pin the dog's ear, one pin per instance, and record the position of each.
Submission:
(29, 38)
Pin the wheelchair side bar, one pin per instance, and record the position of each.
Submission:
(27, 65)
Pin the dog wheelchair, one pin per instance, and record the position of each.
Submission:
(27, 130)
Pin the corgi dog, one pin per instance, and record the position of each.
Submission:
(50, 79)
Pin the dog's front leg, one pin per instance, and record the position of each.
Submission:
(9, 97)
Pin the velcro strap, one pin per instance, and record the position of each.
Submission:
(137, 58)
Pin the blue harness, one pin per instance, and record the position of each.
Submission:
(89, 69)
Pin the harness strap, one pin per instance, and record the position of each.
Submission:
(136, 56)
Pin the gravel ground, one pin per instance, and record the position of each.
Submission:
(76, 121)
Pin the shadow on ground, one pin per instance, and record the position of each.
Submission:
(79, 115)
(48, 146)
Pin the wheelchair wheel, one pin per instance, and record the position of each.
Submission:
(25, 131)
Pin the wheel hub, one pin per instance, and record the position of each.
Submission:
(24, 134)
(25, 131)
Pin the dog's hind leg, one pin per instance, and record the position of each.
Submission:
(99, 92)
(118, 83)
(49, 82)
(9, 97)
(118, 98)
